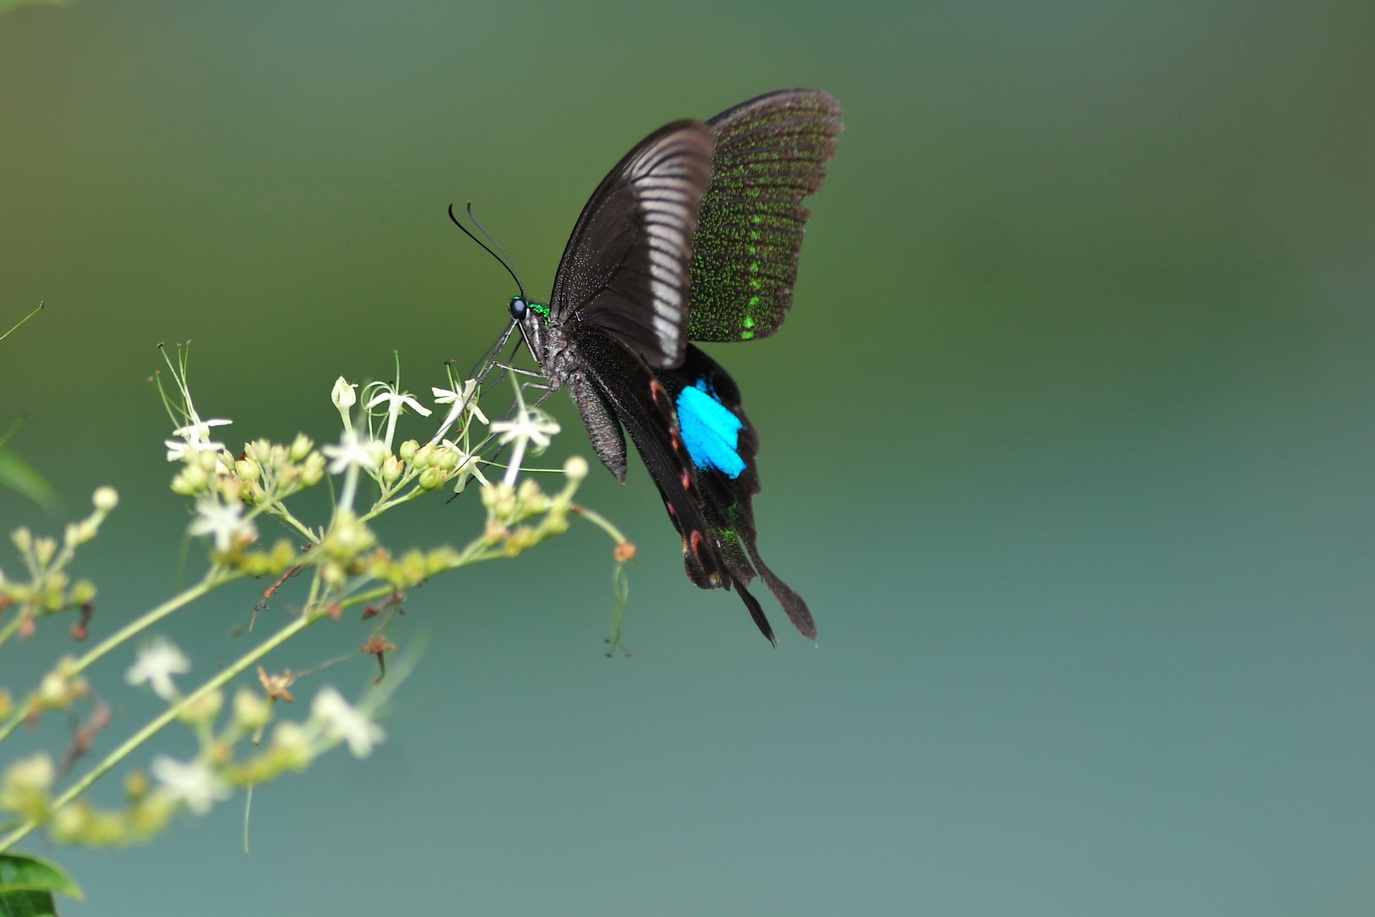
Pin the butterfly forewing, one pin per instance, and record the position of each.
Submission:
(626, 267)
(770, 153)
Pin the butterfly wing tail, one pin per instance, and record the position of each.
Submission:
(756, 610)
(792, 603)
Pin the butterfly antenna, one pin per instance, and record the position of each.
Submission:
(505, 258)
(501, 258)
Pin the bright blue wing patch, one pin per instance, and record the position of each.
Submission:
(710, 431)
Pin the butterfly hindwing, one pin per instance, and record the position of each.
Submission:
(720, 445)
(641, 403)
(699, 448)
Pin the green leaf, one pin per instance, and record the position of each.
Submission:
(19, 476)
(27, 904)
(27, 885)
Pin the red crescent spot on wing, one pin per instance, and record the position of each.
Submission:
(696, 540)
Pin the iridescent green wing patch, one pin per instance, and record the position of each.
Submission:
(770, 153)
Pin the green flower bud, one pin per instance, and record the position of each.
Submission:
(575, 467)
(445, 459)
(300, 447)
(251, 710)
(53, 691)
(292, 745)
(191, 480)
(343, 395)
(54, 590)
(247, 469)
(43, 550)
(204, 710)
(522, 538)
(82, 591)
(26, 786)
(71, 824)
(84, 531)
(440, 559)
(313, 469)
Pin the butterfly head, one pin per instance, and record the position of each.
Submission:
(520, 307)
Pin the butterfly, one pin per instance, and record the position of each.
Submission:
(693, 236)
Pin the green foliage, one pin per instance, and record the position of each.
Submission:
(15, 473)
(27, 886)
(22, 478)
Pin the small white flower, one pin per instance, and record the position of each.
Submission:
(530, 425)
(466, 465)
(396, 402)
(355, 450)
(224, 521)
(193, 783)
(344, 722)
(463, 401)
(158, 660)
(195, 437)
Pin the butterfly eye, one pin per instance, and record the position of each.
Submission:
(518, 308)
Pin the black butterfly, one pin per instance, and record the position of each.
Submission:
(694, 235)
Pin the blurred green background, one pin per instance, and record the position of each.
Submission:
(1067, 442)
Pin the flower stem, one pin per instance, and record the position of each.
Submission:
(600, 522)
(13, 624)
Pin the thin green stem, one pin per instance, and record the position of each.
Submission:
(12, 625)
(21, 321)
(293, 524)
(385, 504)
(600, 522)
(215, 578)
